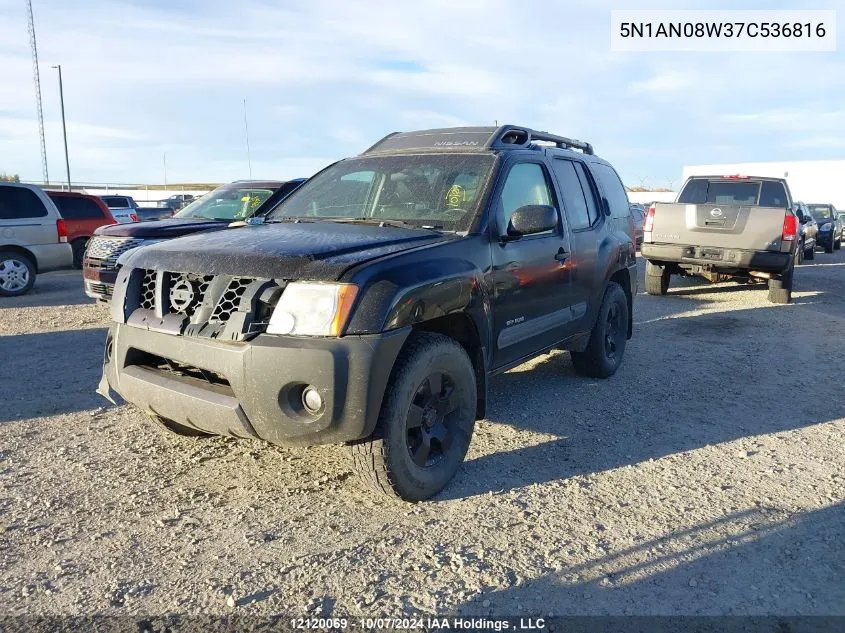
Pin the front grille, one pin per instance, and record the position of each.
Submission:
(187, 292)
(148, 290)
(230, 300)
(213, 306)
(106, 250)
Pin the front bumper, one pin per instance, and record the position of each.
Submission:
(721, 258)
(257, 384)
(99, 283)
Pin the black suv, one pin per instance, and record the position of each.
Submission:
(373, 304)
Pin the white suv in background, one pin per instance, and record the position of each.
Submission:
(33, 238)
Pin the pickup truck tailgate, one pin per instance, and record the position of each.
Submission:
(720, 226)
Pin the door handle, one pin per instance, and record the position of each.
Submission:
(561, 255)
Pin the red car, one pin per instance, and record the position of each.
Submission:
(83, 214)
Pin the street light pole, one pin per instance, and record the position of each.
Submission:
(64, 126)
(246, 133)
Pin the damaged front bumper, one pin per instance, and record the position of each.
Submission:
(254, 388)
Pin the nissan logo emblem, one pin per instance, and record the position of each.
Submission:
(716, 213)
(181, 295)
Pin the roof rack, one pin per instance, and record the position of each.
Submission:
(523, 136)
(472, 139)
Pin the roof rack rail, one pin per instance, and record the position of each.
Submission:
(514, 135)
(471, 139)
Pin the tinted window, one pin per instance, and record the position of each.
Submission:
(701, 191)
(773, 194)
(73, 208)
(589, 193)
(526, 184)
(17, 202)
(574, 200)
(613, 190)
(116, 202)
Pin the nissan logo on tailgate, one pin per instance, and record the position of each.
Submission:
(716, 213)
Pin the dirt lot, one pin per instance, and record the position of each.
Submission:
(706, 477)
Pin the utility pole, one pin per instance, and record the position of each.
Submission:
(164, 160)
(30, 27)
(246, 133)
(64, 127)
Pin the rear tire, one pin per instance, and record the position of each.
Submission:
(17, 274)
(426, 421)
(780, 290)
(78, 247)
(656, 279)
(607, 342)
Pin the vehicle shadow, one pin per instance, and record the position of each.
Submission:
(59, 288)
(50, 373)
(764, 561)
(711, 382)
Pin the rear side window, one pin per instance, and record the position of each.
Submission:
(589, 193)
(574, 199)
(18, 202)
(773, 194)
(72, 208)
(613, 189)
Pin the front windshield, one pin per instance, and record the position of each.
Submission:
(437, 190)
(234, 201)
(821, 212)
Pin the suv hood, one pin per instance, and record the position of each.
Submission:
(162, 229)
(316, 251)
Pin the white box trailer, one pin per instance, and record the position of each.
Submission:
(821, 181)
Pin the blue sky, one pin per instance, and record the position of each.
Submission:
(324, 79)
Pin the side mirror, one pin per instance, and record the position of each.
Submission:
(531, 219)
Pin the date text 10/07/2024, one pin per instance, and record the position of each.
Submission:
(427, 623)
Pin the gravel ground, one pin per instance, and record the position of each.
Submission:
(706, 477)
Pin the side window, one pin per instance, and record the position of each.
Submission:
(613, 190)
(574, 199)
(526, 184)
(589, 193)
(18, 202)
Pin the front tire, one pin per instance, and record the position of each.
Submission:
(656, 279)
(810, 253)
(606, 347)
(828, 248)
(17, 274)
(426, 421)
(837, 244)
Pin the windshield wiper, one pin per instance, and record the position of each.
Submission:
(389, 222)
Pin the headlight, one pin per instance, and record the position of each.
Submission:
(827, 226)
(313, 309)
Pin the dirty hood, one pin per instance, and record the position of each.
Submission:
(318, 251)
(162, 229)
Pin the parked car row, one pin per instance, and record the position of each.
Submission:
(236, 201)
(44, 230)
(736, 226)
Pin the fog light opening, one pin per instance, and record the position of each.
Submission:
(312, 400)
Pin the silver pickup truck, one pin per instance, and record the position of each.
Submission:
(722, 227)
